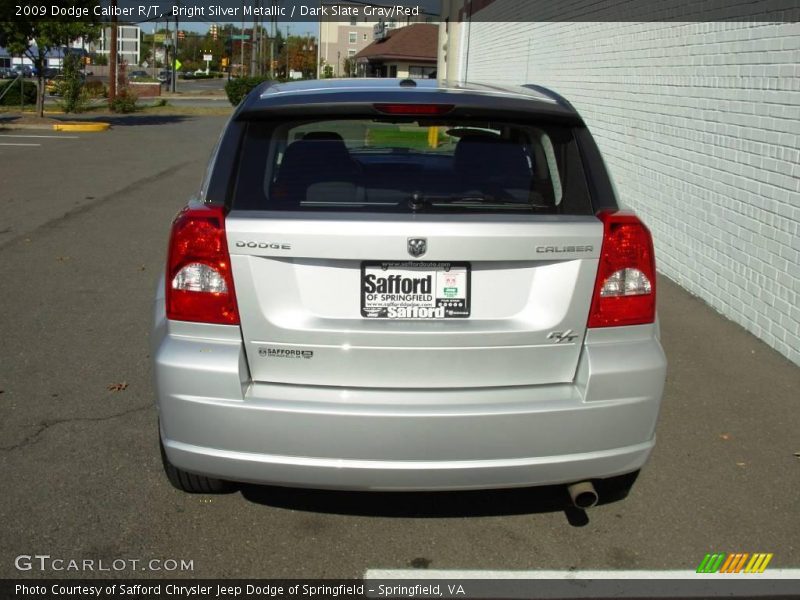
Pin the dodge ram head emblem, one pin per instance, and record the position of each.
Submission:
(417, 246)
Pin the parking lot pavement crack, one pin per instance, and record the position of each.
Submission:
(79, 210)
(46, 425)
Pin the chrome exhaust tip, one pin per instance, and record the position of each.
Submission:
(582, 494)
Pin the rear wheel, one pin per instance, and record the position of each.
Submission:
(189, 482)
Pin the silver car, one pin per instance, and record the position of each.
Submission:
(396, 285)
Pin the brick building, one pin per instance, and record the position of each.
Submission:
(700, 124)
(341, 40)
(407, 52)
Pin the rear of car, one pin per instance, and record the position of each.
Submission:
(397, 286)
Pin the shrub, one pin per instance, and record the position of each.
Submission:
(95, 89)
(12, 96)
(240, 87)
(125, 102)
(71, 88)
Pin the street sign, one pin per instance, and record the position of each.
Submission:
(207, 57)
(159, 37)
(240, 36)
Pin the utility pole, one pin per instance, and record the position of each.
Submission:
(175, 58)
(272, 24)
(262, 47)
(253, 42)
(287, 53)
(167, 48)
(112, 56)
(230, 48)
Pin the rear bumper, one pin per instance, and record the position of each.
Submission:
(215, 422)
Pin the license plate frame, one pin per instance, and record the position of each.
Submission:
(446, 295)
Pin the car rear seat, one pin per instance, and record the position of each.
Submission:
(318, 161)
(493, 166)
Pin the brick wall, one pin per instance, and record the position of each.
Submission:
(699, 124)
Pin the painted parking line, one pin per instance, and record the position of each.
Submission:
(55, 137)
(14, 144)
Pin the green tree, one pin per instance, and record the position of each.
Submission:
(36, 38)
(72, 94)
(302, 55)
(349, 67)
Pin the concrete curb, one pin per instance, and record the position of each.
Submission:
(12, 125)
(191, 97)
(88, 127)
(81, 126)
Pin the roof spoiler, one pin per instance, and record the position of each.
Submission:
(550, 94)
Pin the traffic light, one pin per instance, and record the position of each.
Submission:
(181, 34)
(214, 32)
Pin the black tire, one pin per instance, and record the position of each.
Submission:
(189, 482)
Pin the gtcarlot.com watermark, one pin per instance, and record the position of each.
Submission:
(47, 563)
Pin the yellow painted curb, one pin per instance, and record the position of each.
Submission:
(81, 126)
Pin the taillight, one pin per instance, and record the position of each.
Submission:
(625, 289)
(199, 280)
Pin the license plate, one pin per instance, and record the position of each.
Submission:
(415, 290)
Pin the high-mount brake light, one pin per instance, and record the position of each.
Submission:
(625, 289)
(414, 110)
(199, 279)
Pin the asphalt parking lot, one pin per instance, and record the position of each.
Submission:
(83, 232)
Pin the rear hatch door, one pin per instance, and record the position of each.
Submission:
(340, 300)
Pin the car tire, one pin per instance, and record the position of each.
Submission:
(190, 482)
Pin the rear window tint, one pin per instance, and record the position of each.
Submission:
(386, 165)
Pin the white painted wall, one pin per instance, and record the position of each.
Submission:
(699, 124)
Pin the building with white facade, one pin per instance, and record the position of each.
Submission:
(129, 43)
(700, 125)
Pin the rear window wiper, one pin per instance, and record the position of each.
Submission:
(420, 201)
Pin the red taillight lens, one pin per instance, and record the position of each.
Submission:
(199, 279)
(414, 110)
(625, 289)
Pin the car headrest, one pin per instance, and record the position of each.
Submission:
(477, 156)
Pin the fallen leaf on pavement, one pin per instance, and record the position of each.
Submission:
(117, 387)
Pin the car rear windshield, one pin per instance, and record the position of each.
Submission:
(407, 166)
